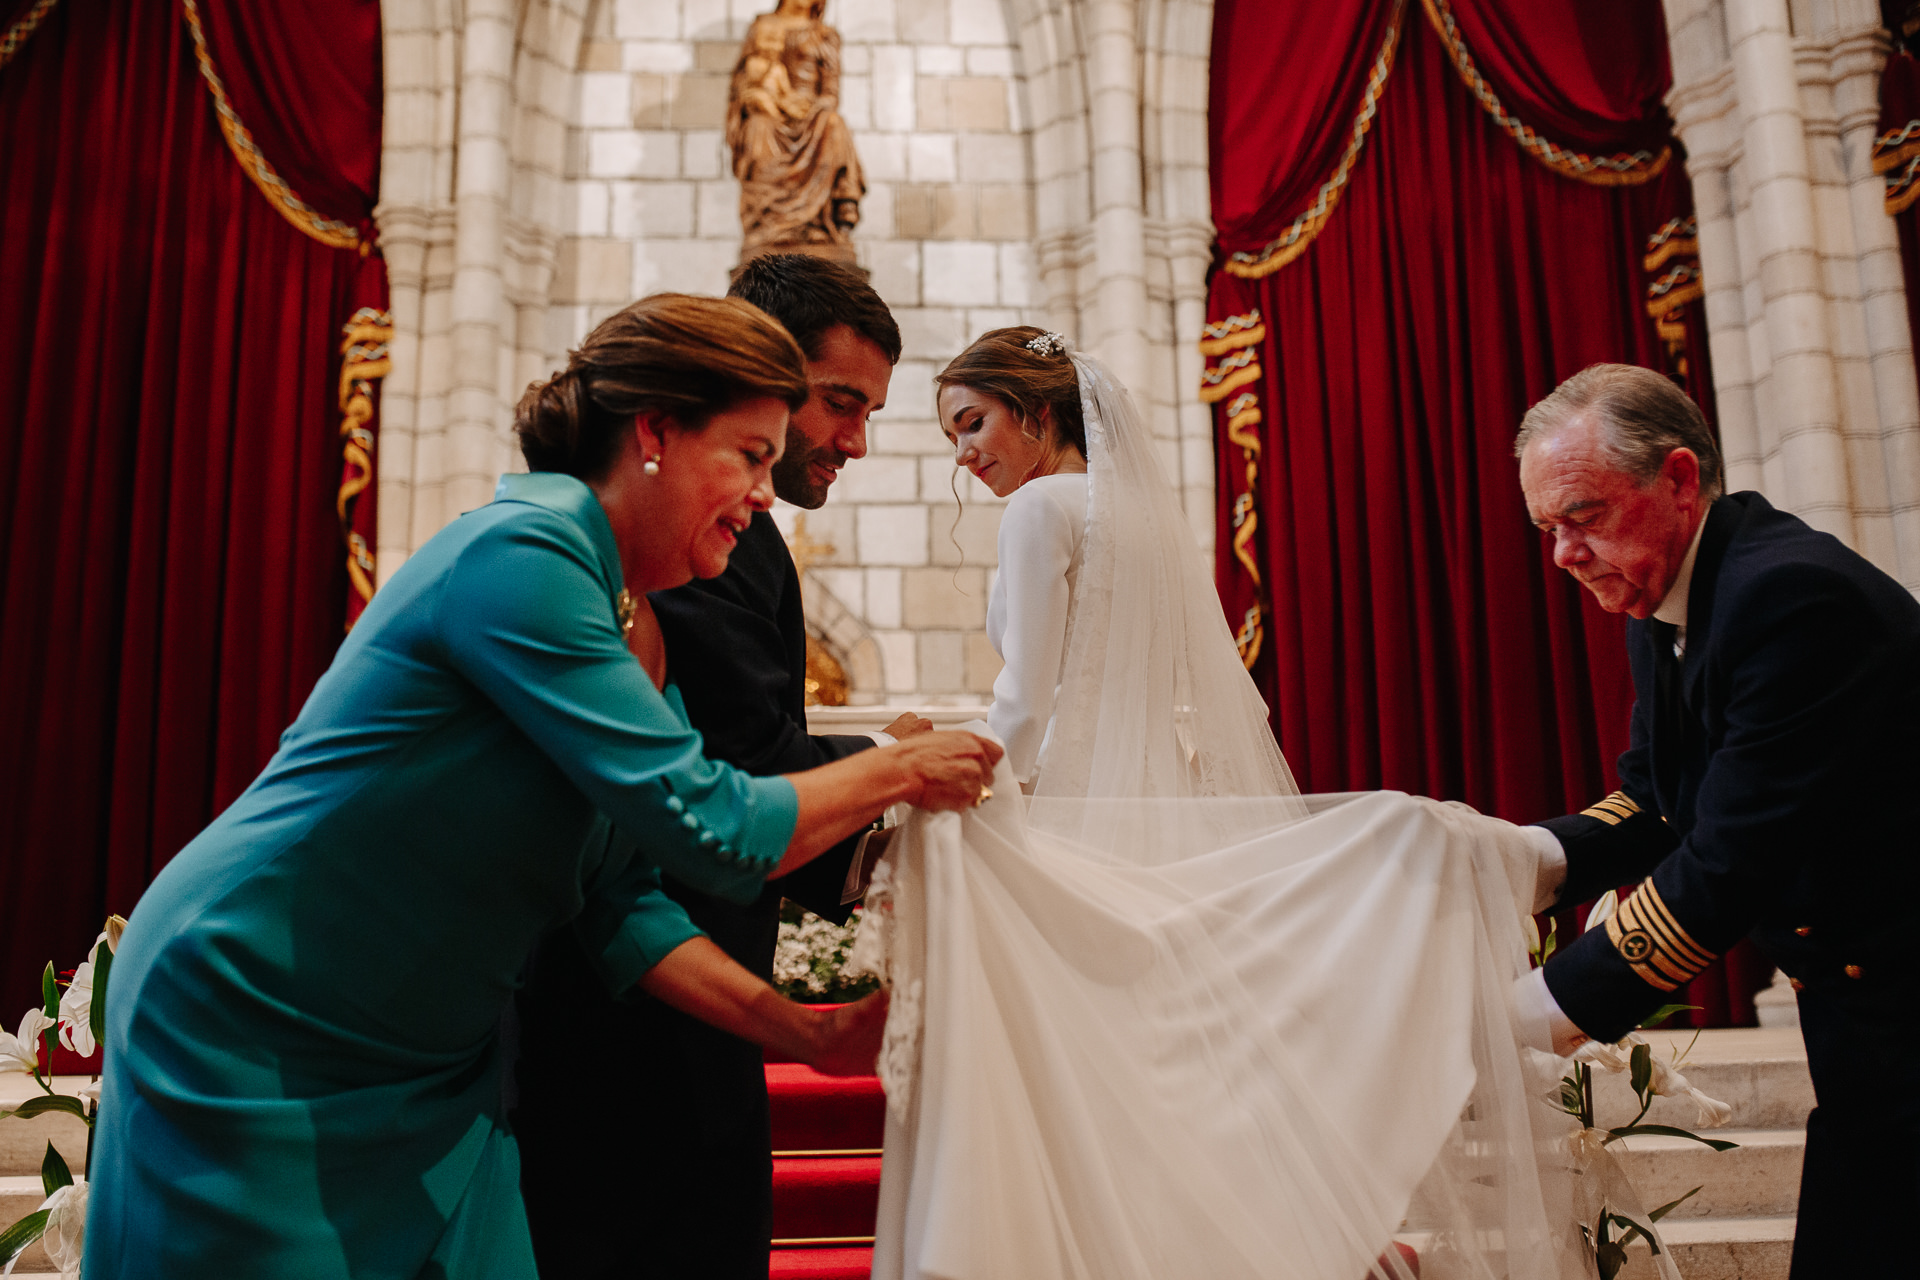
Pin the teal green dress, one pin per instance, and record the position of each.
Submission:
(301, 1078)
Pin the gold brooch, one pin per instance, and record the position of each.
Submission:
(624, 607)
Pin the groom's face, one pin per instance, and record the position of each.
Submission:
(848, 383)
(1624, 538)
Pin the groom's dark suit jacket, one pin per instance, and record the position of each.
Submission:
(1772, 790)
(672, 1175)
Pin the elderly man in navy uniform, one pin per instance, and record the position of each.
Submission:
(1771, 789)
(667, 1171)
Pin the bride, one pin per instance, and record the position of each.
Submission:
(1167, 1018)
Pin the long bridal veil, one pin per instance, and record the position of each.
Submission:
(1174, 1021)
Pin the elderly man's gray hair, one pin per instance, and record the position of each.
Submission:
(1643, 418)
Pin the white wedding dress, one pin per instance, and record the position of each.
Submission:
(1170, 1020)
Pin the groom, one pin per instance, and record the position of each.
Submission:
(665, 1168)
(1771, 788)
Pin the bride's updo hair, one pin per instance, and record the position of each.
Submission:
(670, 353)
(1002, 365)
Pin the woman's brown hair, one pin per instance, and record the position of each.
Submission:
(670, 353)
(1001, 364)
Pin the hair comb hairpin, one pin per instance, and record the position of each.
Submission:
(1047, 344)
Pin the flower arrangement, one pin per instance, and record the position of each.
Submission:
(1619, 1221)
(811, 958)
(77, 1016)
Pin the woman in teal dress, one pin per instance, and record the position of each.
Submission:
(301, 1078)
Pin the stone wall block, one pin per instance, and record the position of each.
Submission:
(703, 154)
(931, 157)
(593, 270)
(899, 656)
(983, 664)
(717, 210)
(961, 273)
(895, 268)
(856, 101)
(995, 62)
(878, 479)
(893, 90)
(583, 210)
(863, 21)
(944, 597)
(848, 586)
(716, 56)
(942, 661)
(604, 100)
(883, 156)
(1018, 283)
(876, 207)
(966, 534)
(653, 210)
(978, 22)
(657, 56)
(938, 60)
(925, 21)
(882, 599)
(892, 535)
(930, 333)
(709, 20)
(645, 19)
(694, 266)
(992, 157)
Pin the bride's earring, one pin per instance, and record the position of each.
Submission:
(651, 466)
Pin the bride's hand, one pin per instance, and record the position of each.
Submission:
(848, 1038)
(949, 770)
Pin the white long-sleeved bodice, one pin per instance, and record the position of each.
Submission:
(1041, 537)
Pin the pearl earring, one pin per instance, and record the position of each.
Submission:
(651, 466)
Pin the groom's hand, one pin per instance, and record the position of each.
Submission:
(907, 726)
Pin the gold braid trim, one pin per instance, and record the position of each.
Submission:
(295, 210)
(1235, 338)
(1678, 286)
(1218, 381)
(363, 362)
(1651, 941)
(28, 24)
(1293, 242)
(1623, 169)
(1232, 333)
(1892, 150)
(1677, 236)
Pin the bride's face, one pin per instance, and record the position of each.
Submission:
(991, 439)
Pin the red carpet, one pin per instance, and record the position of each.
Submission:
(827, 1132)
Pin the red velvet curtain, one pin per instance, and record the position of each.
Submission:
(1416, 634)
(170, 449)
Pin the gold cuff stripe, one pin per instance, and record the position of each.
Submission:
(1623, 169)
(1293, 242)
(1613, 810)
(302, 215)
(17, 33)
(1655, 947)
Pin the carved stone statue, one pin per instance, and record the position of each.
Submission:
(800, 183)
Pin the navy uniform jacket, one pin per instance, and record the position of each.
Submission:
(737, 651)
(1772, 787)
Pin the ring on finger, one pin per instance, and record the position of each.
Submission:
(986, 794)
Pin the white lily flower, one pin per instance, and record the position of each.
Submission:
(66, 1236)
(1532, 928)
(91, 1094)
(1608, 903)
(76, 1005)
(1609, 1057)
(1669, 1083)
(21, 1052)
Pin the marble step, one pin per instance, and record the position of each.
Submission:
(1720, 1249)
(20, 1196)
(23, 1143)
(1758, 1179)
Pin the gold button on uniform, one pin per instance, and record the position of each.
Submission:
(1852, 971)
(1796, 984)
(1804, 930)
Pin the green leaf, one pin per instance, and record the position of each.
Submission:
(1641, 1071)
(97, 1016)
(15, 1239)
(49, 992)
(1633, 1232)
(1664, 1012)
(50, 1102)
(1610, 1258)
(1668, 1131)
(54, 1173)
(1671, 1205)
(1552, 942)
